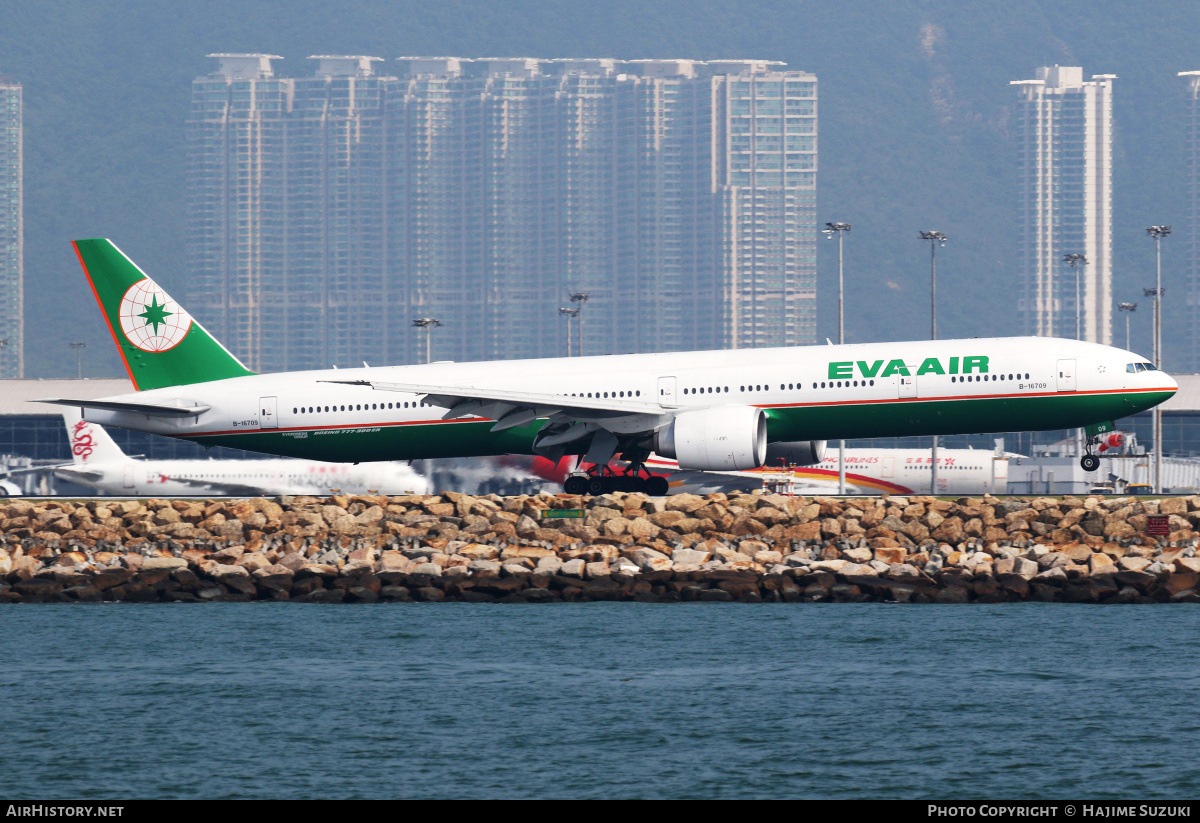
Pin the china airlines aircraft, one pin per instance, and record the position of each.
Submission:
(709, 411)
(99, 463)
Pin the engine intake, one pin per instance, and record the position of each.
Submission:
(797, 452)
(723, 438)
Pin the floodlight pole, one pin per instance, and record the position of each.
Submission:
(935, 238)
(1073, 260)
(427, 323)
(1127, 309)
(579, 298)
(568, 313)
(830, 230)
(1158, 233)
(79, 347)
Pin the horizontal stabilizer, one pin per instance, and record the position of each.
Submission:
(149, 409)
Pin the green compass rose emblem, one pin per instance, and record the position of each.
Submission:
(155, 314)
(150, 319)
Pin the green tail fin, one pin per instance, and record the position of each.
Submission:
(160, 344)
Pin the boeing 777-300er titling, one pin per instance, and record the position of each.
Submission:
(710, 410)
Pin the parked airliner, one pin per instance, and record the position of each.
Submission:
(99, 463)
(713, 410)
(868, 471)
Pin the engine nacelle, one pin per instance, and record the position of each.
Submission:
(797, 452)
(723, 438)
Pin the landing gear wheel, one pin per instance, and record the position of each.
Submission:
(657, 486)
(576, 484)
(599, 485)
(1089, 462)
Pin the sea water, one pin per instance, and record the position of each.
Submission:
(722, 700)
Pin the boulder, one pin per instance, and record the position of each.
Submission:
(690, 557)
(890, 556)
(596, 570)
(1133, 564)
(168, 563)
(573, 568)
(649, 560)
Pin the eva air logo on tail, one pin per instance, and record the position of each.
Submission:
(150, 319)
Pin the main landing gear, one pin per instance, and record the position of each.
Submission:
(1090, 462)
(602, 480)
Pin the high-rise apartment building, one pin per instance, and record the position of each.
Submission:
(1065, 155)
(679, 195)
(237, 232)
(1191, 230)
(12, 279)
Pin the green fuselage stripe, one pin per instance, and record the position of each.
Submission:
(812, 421)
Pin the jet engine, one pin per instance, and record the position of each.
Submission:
(797, 452)
(722, 438)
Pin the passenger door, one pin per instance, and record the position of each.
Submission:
(1066, 375)
(666, 392)
(267, 417)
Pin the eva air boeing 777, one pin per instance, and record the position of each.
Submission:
(712, 410)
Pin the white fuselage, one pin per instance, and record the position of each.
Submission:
(181, 478)
(868, 471)
(788, 382)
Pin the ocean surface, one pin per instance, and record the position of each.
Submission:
(721, 700)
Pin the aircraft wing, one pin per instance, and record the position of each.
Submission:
(69, 471)
(150, 409)
(515, 408)
(32, 469)
(219, 487)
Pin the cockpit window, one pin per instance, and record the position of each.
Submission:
(1133, 368)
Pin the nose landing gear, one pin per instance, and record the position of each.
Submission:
(1090, 462)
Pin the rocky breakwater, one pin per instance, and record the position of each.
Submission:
(748, 548)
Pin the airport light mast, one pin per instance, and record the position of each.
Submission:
(1073, 260)
(79, 347)
(1127, 309)
(428, 324)
(569, 313)
(579, 298)
(839, 230)
(1158, 233)
(935, 238)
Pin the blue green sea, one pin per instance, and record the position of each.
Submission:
(599, 700)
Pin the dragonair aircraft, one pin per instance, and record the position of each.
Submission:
(99, 463)
(713, 410)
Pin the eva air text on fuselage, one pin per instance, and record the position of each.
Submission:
(842, 370)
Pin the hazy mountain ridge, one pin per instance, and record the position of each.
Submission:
(914, 114)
